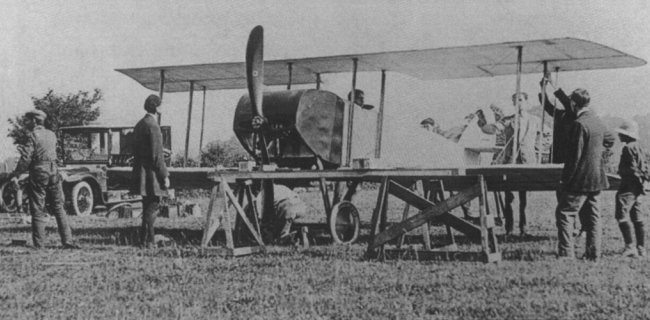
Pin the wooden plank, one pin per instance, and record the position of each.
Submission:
(421, 255)
(448, 219)
(211, 224)
(426, 215)
(189, 121)
(214, 251)
(374, 175)
(225, 252)
(323, 189)
(485, 244)
(498, 178)
(382, 195)
(470, 230)
(440, 190)
(426, 236)
(251, 201)
(405, 215)
(227, 225)
(120, 178)
(242, 215)
(409, 196)
(236, 252)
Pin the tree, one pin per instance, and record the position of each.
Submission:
(226, 153)
(62, 110)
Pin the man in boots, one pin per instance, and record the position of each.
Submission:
(44, 185)
(628, 204)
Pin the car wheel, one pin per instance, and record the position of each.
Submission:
(82, 199)
(344, 223)
(8, 198)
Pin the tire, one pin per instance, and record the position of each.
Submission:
(8, 198)
(344, 223)
(82, 199)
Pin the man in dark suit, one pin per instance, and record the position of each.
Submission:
(150, 178)
(583, 177)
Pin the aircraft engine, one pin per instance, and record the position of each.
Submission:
(301, 124)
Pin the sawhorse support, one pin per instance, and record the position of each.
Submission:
(224, 195)
(432, 212)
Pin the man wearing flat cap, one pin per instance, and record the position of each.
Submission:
(44, 188)
(149, 176)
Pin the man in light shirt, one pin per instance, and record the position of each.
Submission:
(529, 127)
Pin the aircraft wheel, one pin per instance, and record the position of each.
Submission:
(344, 223)
(82, 199)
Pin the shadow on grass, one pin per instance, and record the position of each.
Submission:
(521, 238)
(320, 242)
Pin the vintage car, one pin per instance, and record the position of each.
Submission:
(86, 153)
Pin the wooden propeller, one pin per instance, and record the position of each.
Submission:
(255, 80)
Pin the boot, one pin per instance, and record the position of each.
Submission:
(639, 232)
(630, 251)
(641, 251)
(626, 231)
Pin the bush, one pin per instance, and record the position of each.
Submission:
(226, 153)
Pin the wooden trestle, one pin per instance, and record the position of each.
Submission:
(432, 212)
(229, 199)
(423, 190)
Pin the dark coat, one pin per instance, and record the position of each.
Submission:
(149, 170)
(584, 169)
(562, 123)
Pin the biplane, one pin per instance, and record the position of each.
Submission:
(308, 134)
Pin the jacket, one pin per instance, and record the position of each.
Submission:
(38, 155)
(584, 169)
(149, 169)
(629, 168)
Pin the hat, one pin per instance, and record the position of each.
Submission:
(428, 121)
(629, 128)
(38, 114)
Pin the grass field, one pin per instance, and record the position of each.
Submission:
(110, 278)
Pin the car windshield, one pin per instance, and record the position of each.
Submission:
(85, 146)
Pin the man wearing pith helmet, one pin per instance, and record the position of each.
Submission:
(45, 188)
(633, 169)
(150, 178)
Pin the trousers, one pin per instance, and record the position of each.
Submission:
(629, 213)
(570, 204)
(150, 208)
(45, 192)
(508, 212)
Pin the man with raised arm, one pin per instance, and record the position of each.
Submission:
(583, 177)
(528, 132)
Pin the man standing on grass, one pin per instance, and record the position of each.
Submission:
(149, 176)
(44, 188)
(562, 122)
(583, 177)
(528, 131)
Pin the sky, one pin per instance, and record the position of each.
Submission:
(75, 45)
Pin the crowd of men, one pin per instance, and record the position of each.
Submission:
(580, 138)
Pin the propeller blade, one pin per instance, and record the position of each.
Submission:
(255, 68)
(255, 81)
